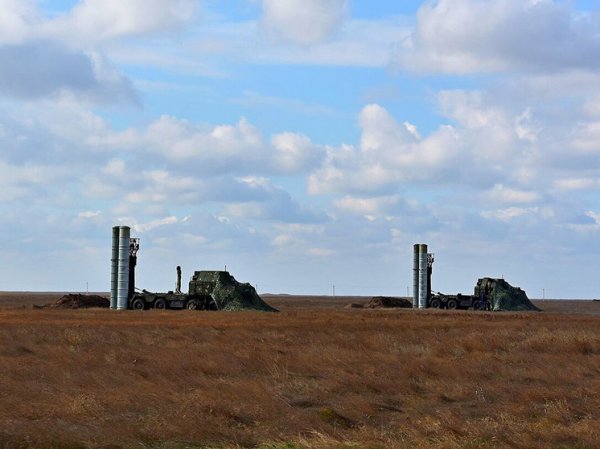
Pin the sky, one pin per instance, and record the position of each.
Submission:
(302, 144)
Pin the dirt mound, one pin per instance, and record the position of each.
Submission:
(354, 305)
(79, 301)
(384, 302)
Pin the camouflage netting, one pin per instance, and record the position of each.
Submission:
(232, 295)
(504, 296)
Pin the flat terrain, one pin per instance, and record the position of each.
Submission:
(24, 300)
(316, 375)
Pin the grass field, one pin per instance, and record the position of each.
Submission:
(315, 375)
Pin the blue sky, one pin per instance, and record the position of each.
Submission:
(302, 143)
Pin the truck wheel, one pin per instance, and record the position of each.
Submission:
(477, 305)
(160, 304)
(192, 305)
(435, 304)
(452, 304)
(138, 304)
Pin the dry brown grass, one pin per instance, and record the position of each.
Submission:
(298, 379)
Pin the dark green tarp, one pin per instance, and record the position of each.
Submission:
(229, 294)
(504, 296)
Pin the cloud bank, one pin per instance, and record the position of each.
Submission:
(471, 36)
(250, 139)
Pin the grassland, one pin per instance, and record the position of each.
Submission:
(309, 377)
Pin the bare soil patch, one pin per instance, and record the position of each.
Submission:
(579, 306)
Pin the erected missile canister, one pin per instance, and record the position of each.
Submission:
(114, 267)
(422, 276)
(430, 260)
(415, 276)
(123, 268)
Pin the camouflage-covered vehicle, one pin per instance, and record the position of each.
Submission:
(489, 294)
(225, 292)
(208, 290)
(503, 296)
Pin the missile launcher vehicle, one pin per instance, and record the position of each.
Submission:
(458, 301)
(489, 294)
(208, 290)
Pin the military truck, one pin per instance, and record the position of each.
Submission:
(459, 301)
(208, 290)
(199, 296)
(148, 300)
(488, 294)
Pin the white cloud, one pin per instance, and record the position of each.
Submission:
(302, 32)
(148, 170)
(299, 241)
(345, 171)
(89, 214)
(200, 149)
(470, 109)
(96, 20)
(43, 69)
(512, 213)
(223, 148)
(585, 228)
(295, 153)
(268, 202)
(145, 227)
(570, 184)
(115, 167)
(302, 22)
(588, 138)
(282, 240)
(320, 252)
(526, 128)
(466, 36)
(379, 128)
(502, 137)
(370, 207)
(503, 194)
(505, 159)
(362, 43)
(16, 18)
(594, 215)
(92, 21)
(390, 153)
(592, 107)
(163, 187)
(44, 56)
(31, 182)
